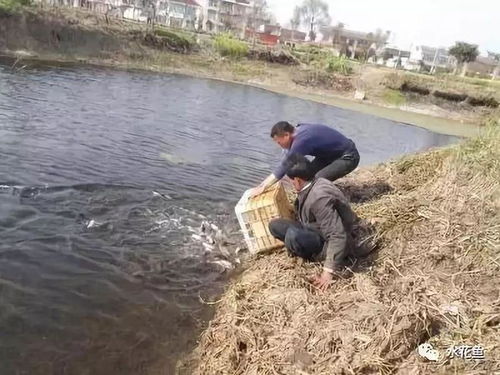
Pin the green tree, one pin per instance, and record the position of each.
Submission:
(496, 57)
(464, 53)
(314, 13)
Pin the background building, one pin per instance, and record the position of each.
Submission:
(430, 59)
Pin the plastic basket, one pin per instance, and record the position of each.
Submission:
(254, 215)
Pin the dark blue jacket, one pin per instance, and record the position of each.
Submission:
(322, 142)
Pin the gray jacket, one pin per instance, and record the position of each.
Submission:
(324, 208)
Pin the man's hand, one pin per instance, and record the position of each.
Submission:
(269, 181)
(257, 191)
(323, 281)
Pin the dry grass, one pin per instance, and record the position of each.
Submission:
(444, 82)
(439, 230)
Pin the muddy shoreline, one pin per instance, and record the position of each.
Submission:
(84, 39)
(431, 259)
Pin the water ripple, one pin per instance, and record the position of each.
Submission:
(89, 256)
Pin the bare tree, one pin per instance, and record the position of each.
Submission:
(314, 13)
(295, 21)
(336, 37)
(381, 37)
(259, 15)
(199, 22)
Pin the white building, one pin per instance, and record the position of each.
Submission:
(208, 15)
(178, 13)
(424, 57)
(226, 15)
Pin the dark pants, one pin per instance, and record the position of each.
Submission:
(299, 240)
(333, 170)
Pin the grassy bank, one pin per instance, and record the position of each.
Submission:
(73, 35)
(434, 279)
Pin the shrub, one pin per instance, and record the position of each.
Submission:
(339, 65)
(486, 101)
(321, 78)
(10, 6)
(176, 40)
(394, 97)
(226, 45)
(310, 54)
(408, 83)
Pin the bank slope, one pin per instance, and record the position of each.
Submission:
(434, 279)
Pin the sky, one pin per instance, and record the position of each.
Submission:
(434, 23)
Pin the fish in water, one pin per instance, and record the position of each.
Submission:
(220, 237)
(213, 238)
(209, 248)
(82, 219)
(180, 160)
(226, 265)
(205, 226)
(196, 237)
(28, 191)
(224, 251)
(172, 158)
(164, 196)
(88, 223)
(239, 250)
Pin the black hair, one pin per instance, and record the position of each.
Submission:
(298, 166)
(281, 128)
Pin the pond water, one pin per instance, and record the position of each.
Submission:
(99, 274)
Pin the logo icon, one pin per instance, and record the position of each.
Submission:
(427, 351)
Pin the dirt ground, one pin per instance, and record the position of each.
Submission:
(433, 280)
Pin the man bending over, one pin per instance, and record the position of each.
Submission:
(334, 154)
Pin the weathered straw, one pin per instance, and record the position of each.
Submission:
(435, 279)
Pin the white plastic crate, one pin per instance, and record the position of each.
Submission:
(254, 215)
